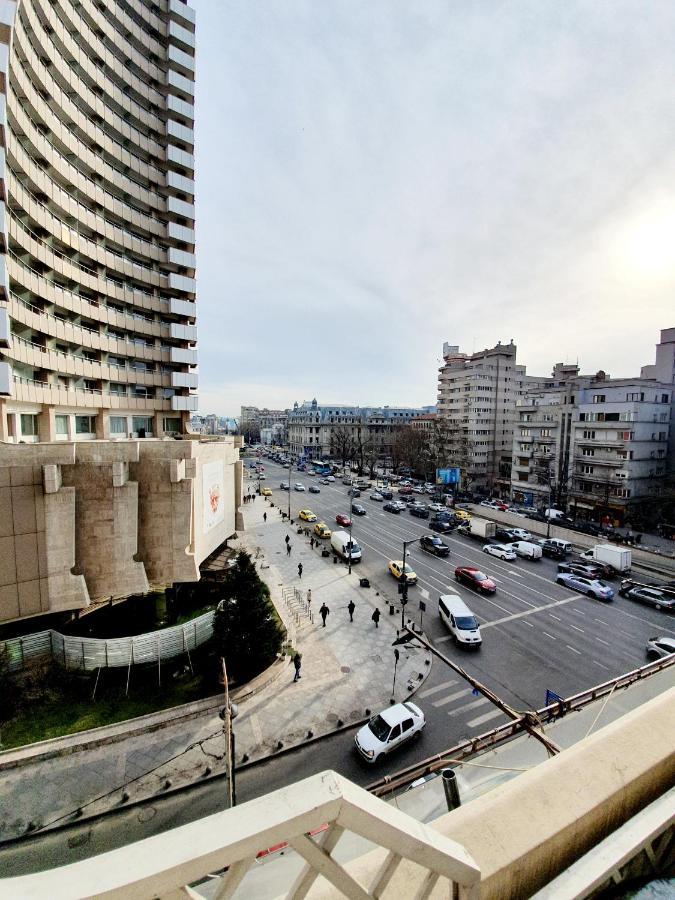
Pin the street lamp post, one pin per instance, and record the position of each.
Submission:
(404, 583)
(290, 464)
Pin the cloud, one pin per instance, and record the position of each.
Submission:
(374, 179)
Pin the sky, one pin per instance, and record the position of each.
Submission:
(375, 178)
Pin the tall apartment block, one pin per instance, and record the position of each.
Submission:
(97, 309)
(477, 396)
(97, 255)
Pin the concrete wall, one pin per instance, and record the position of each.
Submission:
(85, 521)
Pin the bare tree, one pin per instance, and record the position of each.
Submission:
(342, 444)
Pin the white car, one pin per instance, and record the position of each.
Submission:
(521, 534)
(436, 507)
(298, 486)
(489, 503)
(658, 647)
(330, 478)
(377, 496)
(388, 730)
(501, 551)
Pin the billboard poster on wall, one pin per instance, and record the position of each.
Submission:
(213, 494)
(447, 476)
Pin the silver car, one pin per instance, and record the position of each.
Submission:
(658, 647)
(501, 551)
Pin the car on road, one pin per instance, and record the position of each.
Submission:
(330, 478)
(324, 481)
(420, 512)
(405, 489)
(500, 551)
(585, 571)
(298, 486)
(266, 492)
(377, 496)
(474, 578)
(462, 514)
(441, 526)
(433, 544)
(284, 486)
(388, 730)
(322, 530)
(391, 507)
(358, 509)
(307, 515)
(658, 647)
(520, 534)
(313, 489)
(437, 507)
(346, 480)
(550, 549)
(592, 587)
(651, 597)
(260, 476)
(343, 519)
(396, 569)
(386, 494)
(353, 492)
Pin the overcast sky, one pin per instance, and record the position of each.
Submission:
(375, 177)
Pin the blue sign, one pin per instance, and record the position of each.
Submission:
(447, 476)
(552, 697)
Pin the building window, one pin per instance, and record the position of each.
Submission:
(665, 398)
(142, 425)
(598, 398)
(85, 424)
(545, 432)
(587, 470)
(635, 396)
(625, 435)
(29, 426)
(588, 452)
(61, 423)
(118, 424)
(524, 432)
(172, 426)
(589, 435)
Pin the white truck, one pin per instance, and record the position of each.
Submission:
(480, 528)
(617, 557)
(343, 544)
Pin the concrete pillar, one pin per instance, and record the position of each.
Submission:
(158, 424)
(4, 424)
(46, 425)
(102, 425)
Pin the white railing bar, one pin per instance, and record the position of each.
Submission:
(384, 875)
(231, 880)
(323, 864)
(308, 876)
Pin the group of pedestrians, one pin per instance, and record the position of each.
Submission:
(249, 498)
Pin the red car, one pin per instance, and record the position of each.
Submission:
(476, 579)
(342, 519)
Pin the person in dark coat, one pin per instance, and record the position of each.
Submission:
(351, 606)
(323, 612)
(297, 662)
(299, 570)
(376, 617)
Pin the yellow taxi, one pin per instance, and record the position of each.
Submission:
(322, 530)
(462, 514)
(266, 492)
(396, 569)
(307, 515)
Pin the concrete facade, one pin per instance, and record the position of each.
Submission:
(97, 241)
(84, 522)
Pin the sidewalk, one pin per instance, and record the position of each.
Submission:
(347, 669)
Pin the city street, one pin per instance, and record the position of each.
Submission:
(537, 635)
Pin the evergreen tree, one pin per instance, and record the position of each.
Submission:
(246, 630)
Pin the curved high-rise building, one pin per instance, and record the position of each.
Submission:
(97, 265)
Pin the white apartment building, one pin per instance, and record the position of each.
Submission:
(97, 241)
(477, 395)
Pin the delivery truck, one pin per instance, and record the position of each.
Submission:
(344, 545)
(618, 558)
(479, 528)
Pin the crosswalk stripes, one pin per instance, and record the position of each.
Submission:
(449, 699)
(465, 696)
(435, 690)
(480, 702)
(486, 717)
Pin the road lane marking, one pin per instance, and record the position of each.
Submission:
(573, 649)
(529, 612)
(601, 621)
(517, 574)
(595, 662)
(485, 718)
(460, 709)
(439, 687)
(557, 618)
(425, 593)
(576, 628)
(445, 700)
(600, 641)
(525, 622)
(549, 635)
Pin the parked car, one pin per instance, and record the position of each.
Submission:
(307, 515)
(298, 486)
(435, 545)
(314, 489)
(343, 519)
(396, 569)
(322, 530)
(358, 509)
(475, 579)
(388, 730)
(420, 512)
(658, 647)
(441, 526)
(500, 551)
(377, 496)
(592, 587)
(651, 597)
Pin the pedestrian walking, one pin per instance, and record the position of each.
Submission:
(311, 543)
(264, 517)
(376, 617)
(297, 662)
(309, 596)
(287, 539)
(351, 607)
(288, 549)
(323, 612)
(299, 570)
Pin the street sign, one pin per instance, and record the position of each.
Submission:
(423, 606)
(552, 697)
(447, 476)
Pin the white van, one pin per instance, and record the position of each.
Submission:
(526, 549)
(460, 620)
(564, 546)
(554, 514)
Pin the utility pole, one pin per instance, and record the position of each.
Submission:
(227, 714)
(404, 583)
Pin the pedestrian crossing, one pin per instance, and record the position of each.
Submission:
(455, 693)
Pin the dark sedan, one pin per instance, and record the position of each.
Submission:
(313, 489)
(391, 507)
(440, 525)
(475, 579)
(420, 512)
(358, 510)
(433, 544)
